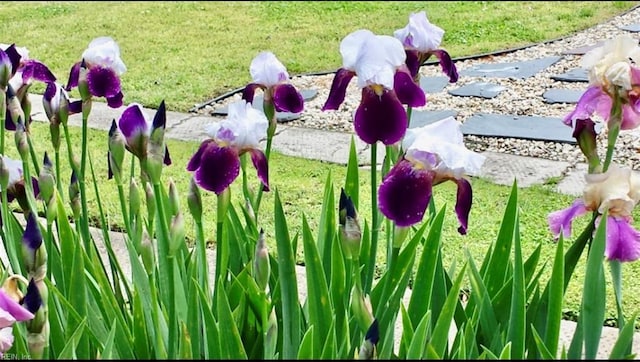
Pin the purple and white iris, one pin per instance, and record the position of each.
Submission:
(421, 40)
(104, 65)
(15, 186)
(21, 71)
(386, 83)
(616, 191)
(434, 153)
(10, 312)
(270, 75)
(216, 164)
(613, 73)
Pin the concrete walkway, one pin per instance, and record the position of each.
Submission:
(334, 147)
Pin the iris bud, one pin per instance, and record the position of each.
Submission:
(261, 266)
(194, 200)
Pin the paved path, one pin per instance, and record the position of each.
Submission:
(334, 147)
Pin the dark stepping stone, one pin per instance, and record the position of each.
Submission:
(524, 127)
(282, 117)
(481, 89)
(423, 118)
(524, 69)
(634, 28)
(573, 75)
(562, 95)
(583, 49)
(433, 84)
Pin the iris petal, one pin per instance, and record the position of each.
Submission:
(380, 118)
(103, 82)
(560, 221)
(132, 122)
(12, 307)
(74, 76)
(167, 157)
(216, 167)
(587, 105)
(32, 237)
(413, 61)
(404, 194)
(249, 91)
(630, 117)
(35, 70)
(407, 90)
(115, 101)
(287, 98)
(260, 163)
(463, 204)
(75, 107)
(338, 89)
(447, 65)
(623, 241)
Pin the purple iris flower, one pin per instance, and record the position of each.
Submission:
(434, 153)
(421, 40)
(270, 75)
(104, 65)
(386, 83)
(616, 191)
(24, 71)
(613, 72)
(216, 164)
(137, 131)
(10, 312)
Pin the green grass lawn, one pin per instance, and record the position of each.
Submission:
(190, 52)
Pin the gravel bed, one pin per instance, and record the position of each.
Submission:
(522, 97)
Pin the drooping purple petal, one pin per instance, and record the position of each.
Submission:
(115, 101)
(623, 241)
(447, 65)
(75, 107)
(12, 307)
(32, 237)
(587, 105)
(413, 62)
(249, 91)
(561, 220)
(32, 299)
(9, 124)
(380, 118)
(215, 167)
(338, 89)
(463, 204)
(35, 70)
(404, 194)
(407, 90)
(74, 76)
(286, 98)
(36, 187)
(103, 82)
(14, 57)
(160, 118)
(50, 91)
(132, 122)
(259, 160)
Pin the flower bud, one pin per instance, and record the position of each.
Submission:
(368, 347)
(585, 134)
(151, 203)
(54, 130)
(271, 339)
(350, 234)
(261, 266)
(14, 109)
(399, 235)
(4, 173)
(46, 180)
(194, 200)
(20, 136)
(156, 148)
(74, 195)
(83, 83)
(176, 233)
(174, 198)
(31, 242)
(116, 152)
(361, 308)
(147, 254)
(134, 197)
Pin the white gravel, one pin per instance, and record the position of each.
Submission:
(522, 97)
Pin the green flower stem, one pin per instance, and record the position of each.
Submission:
(222, 257)
(374, 220)
(166, 269)
(203, 268)
(409, 112)
(86, 235)
(11, 245)
(125, 212)
(270, 113)
(34, 157)
(58, 179)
